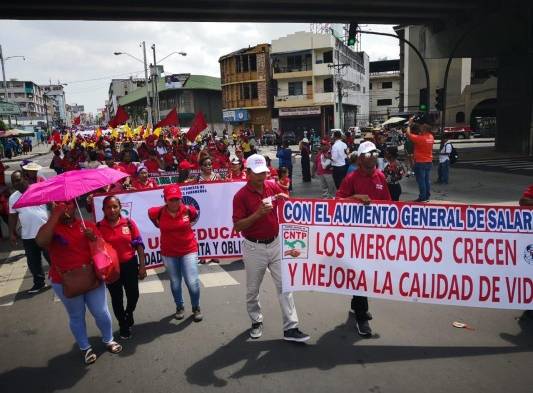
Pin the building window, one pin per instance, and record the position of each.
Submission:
(460, 117)
(295, 88)
(385, 102)
(245, 66)
(253, 87)
(294, 62)
(253, 62)
(328, 85)
(370, 87)
(357, 87)
(386, 85)
(328, 57)
(238, 64)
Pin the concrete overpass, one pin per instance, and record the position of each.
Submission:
(484, 28)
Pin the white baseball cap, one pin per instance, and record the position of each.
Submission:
(366, 147)
(257, 163)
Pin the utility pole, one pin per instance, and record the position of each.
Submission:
(5, 83)
(148, 105)
(156, 96)
(338, 68)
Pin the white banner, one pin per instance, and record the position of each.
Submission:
(480, 256)
(213, 228)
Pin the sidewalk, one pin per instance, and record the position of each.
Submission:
(39, 150)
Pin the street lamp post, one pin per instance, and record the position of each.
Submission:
(148, 105)
(4, 77)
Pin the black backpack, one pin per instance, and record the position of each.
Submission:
(454, 156)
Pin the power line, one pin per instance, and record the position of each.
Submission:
(104, 77)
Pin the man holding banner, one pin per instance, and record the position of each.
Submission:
(365, 184)
(254, 215)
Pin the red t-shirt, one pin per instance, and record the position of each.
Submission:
(69, 248)
(240, 177)
(177, 236)
(124, 237)
(273, 173)
(247, 200)
(151, 165)
(374, 185)
(529, 192)
(423, 147)
(139, 186)
(130, 169)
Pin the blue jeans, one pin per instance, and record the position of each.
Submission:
(444, 170)
(422, 171)
(185, 266)
(96, 302)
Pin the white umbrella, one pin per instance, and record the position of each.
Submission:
(393, 120)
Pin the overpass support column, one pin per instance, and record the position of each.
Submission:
(515, 104)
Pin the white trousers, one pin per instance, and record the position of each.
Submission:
(257, 258)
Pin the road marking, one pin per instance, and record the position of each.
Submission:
(152, 283)
(12, 276)
(212, 275)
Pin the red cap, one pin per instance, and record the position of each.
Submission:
(172, 191)
(185, 165)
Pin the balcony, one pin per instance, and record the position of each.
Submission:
(292, 71)
(322, 69)
(293, 101)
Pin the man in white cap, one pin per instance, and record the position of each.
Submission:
(254, 214)
(30, 170)
(366, 184)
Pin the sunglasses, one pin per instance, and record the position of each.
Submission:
(374, 153)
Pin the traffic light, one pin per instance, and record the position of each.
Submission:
(352, 32)
(439, 99)
(423, 100)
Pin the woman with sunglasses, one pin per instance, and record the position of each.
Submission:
(366, 184)
(179, 248)
(206, 170)
(67, 240)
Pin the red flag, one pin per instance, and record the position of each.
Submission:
(77, 121)
(170, 120)
(197, 126)
(120, 118)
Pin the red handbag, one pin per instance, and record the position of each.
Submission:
(106, 263)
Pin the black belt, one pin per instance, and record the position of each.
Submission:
(261, 241)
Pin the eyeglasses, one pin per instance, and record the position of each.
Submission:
(374, 153)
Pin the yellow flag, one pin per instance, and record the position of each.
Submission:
(114, 133)
(65, 139)
(147, 132)
(137, 131)
(127, 131)
(157, 131)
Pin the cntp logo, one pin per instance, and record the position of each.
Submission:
(188, 200)
(126, 209)
(528, 254)
(295, 241)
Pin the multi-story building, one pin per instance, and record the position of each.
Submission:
(472, 82)
(189, 94)
(384, 89)
(307, 83)
(56, 93)
(119, 88)
(29, 96)
(245, 80)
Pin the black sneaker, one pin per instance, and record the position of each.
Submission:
(180, 312)
(363, 328)
(128, 318)
(256, 330)
(125, 333)
(295, 335)
(197, 314)
(36, 288)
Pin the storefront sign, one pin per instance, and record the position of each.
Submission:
(302, 111)
(236, 115)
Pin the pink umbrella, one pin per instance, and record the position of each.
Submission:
(68, 186)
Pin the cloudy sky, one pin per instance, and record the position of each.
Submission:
(80, 54)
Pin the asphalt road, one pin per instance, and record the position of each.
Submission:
(414, 346)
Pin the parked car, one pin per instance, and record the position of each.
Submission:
(269, 138)
(289, 137)
(461, 132)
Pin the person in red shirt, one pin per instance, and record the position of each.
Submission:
(366, 184)
(527, 197)
(2, 173)
(143, 181)
(284, 181)
(67, 239)
(236, 172)
(423, 154)
(124, 236)
(179, 248)
(126, 165)
(254, 215)
(272, 172)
